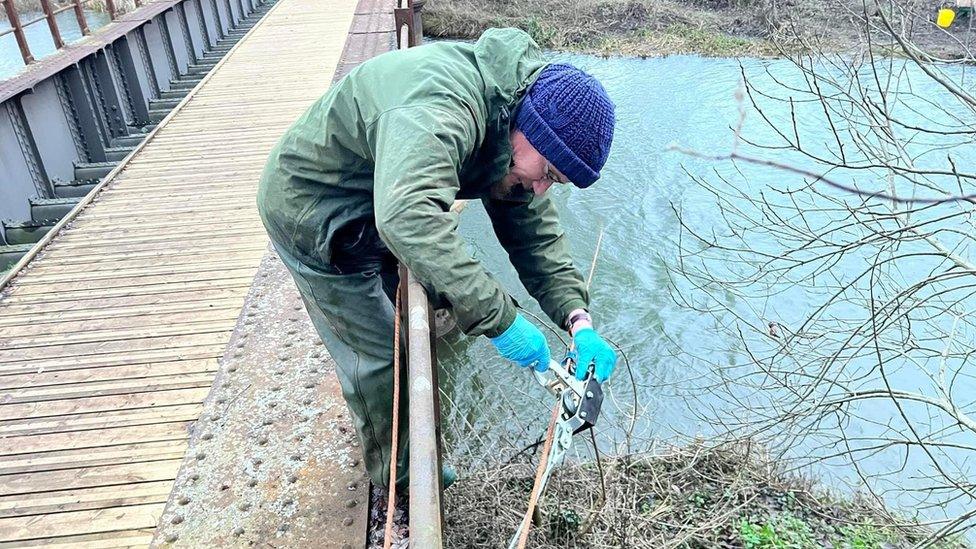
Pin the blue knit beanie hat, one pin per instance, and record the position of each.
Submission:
(568, 117)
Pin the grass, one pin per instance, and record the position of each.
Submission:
(606, 27)
(698, 496)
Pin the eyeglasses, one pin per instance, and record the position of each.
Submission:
(551, 176)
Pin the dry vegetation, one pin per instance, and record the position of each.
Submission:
(731, 495)
(658, 27)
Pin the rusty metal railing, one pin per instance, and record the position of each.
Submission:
(426, 526)
(50, 15)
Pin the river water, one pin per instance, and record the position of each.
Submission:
(691, 369)
(39, 38)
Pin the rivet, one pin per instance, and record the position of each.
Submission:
(583, 413)
(225, 384)
(171, 538)
(352, 485)
(283, 528)
(310, 385)
(176, 520)
(183, 500)
(296, 457)
(267, 421)
(238, 531)
(276, 388)
(232, 369)
(297, 307)
(257, 462)
(286, 344)
(589, 394)
(240, 344)
(201, 455)
(238, 354)
(353, 462)
(307, 401)
(293, 319)
(347, 521)
(221, 400)
(283, 357)
(272, 404)
(262, 441)
(194, 477)
(207, 436)
(252, 483)
(224, 486)
(244, 506)
(287, 501)
(292, 479)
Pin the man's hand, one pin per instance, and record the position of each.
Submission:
(523, 344)
(590, 347)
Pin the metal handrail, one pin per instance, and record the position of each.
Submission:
(17, 26)
(426, 524)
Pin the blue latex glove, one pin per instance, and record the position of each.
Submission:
(523, 344)
(590, 347)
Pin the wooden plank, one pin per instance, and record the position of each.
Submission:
(108, 261)
(164, 288)
(70, 330)
(93, 438)
(120, 358)
(136, 298)
(113, 519)
(106, 388)
(86, 477)
(90, 457)
(49, 325)
(119, 539)
(109, 373)
(94, 349)
(134, 310)
(95, 285)
(59, 501)
(102, 403)
(104, 420)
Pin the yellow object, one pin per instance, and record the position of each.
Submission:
(945, 17)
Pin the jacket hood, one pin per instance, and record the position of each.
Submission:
(509, 62)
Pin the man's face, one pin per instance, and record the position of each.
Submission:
(530, 172)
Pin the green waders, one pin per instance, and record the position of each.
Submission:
(353, 314)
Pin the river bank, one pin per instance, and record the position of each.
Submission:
(721, 28)
(731, 495)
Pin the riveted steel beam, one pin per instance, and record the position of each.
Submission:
(140, 102)
(274, 460)
(85, 114)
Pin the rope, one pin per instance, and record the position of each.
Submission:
(539, 473)
(391, 497)
(544, 460)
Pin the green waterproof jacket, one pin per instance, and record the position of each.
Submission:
(392, 145)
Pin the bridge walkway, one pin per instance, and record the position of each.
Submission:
(110, 337)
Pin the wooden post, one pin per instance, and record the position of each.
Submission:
(80, 16)
(52, 24)
(18, 31)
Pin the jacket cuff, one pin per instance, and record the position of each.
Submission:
(561, 314)
(505, 320)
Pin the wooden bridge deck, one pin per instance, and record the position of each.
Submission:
(109, 339)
